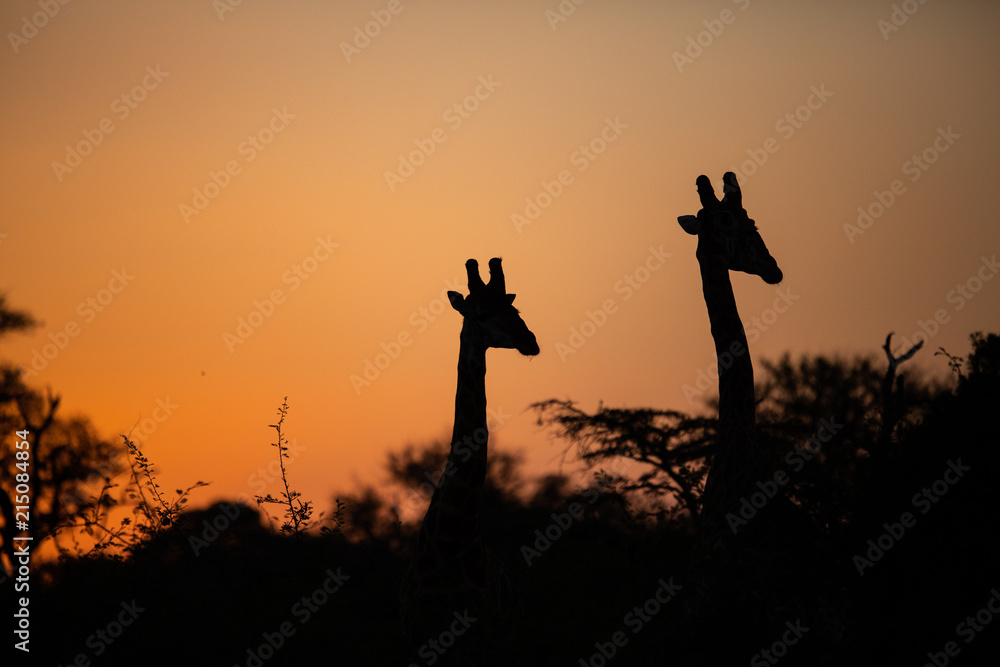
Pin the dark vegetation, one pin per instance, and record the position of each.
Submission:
(141, 579)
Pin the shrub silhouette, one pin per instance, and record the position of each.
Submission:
(578, 573)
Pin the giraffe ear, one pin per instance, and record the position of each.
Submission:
(689, 223)
(510, 298)
(457, 301)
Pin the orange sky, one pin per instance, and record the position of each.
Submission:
(169, 168)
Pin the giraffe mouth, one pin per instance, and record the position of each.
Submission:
(772, 277)
(529, 348)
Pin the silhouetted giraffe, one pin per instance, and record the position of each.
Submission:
(452, 577)
(743, 581)
(728, 241)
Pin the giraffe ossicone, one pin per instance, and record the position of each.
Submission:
(732, 233)
(489, 311)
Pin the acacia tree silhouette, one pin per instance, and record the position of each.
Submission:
(672, 448)
(67, 457)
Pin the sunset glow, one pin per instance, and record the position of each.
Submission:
(214, 205)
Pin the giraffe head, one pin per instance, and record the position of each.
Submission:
(489, 313)
(725, 228)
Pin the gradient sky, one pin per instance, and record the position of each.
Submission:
(821, 108)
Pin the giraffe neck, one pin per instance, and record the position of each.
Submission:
(450, 570)
(736, 397)
(454, 508)
(737, 464)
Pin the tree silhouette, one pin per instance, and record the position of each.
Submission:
(795, 400)
(67, 457)
(671, 447)
(584, 562)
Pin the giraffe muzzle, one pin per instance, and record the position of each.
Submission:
(529, 348)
